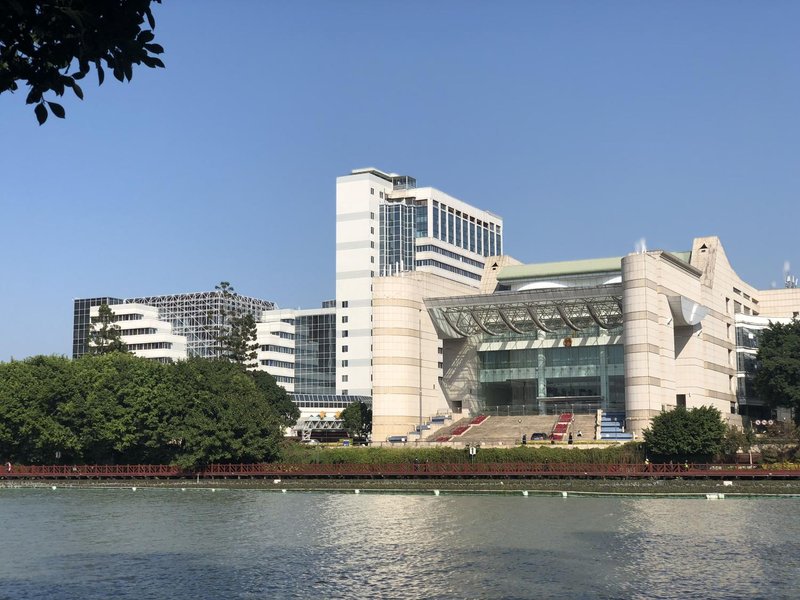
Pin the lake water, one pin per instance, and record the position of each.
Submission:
(165, 543)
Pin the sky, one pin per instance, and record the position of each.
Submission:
(585, 125)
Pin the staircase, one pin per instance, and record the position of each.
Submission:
(612, 427)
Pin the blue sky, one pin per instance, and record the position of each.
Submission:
(585, 125)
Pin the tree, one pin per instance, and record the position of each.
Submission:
(357, 419)
(242, 347)
(105, 335)
(41, 41)
(777, 377)
(694, 434)
(235, 331)
(119, 408)
(221, 326)
(219, 415)
(737, 440)
(277, 397)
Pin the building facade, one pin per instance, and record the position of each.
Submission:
(195, 316)
(144, 333)
(632, 335)
(395, 244)
(298, 347)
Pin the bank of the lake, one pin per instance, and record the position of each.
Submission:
(498, 485)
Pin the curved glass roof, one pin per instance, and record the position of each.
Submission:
(528, 312)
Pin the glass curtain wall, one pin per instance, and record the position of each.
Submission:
(398, 226)
(553, 379)
(315, 354)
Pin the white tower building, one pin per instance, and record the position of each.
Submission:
(387, 227)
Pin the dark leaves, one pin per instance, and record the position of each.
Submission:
(41, 113)
(153, 62)
(43, 39)
(56, 109)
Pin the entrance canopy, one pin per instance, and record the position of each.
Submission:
(527, 312)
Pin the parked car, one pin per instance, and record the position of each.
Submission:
(538, 436)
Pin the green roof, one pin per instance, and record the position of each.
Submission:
(571, 267)
(567, 267)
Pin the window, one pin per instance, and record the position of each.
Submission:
(372, 216)
(345, 348)
(372, 191)
(345, 378)
(380, 194)
(345, 304)
(372, 244)
(372, 259)
(345, 319)
(345, 363)
(344, 392)
(372, 230)
(345, 333)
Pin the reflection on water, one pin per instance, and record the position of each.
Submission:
(251, 544)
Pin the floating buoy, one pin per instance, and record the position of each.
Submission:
(276, 481)
(133, 489)
(213, 489)
(53, 487)
(283, 491)
(563, 494)
(358, 491)
(183, 489)
(525, 493)
(435, 492)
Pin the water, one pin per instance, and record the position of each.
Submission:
(164, 543)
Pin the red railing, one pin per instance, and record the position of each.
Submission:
(465, 469)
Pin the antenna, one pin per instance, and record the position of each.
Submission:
(789, 280)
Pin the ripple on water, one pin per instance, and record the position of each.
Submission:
(249, 544)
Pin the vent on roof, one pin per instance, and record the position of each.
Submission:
(703, 248)
(494, 267)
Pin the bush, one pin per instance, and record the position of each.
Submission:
(294, 453)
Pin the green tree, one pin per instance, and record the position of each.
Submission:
(242, 347)
(777, 377)
(357, 419)
(737, 440)
(32, 393)
(219, 415)
(105, 336)
(117, 412)
(234, 331)
(277, 397)
(695, 434)
(41, 41)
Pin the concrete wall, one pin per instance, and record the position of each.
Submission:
(406, 351)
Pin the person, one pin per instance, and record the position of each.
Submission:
(580, 433)
(569, 439)
(416, 464)
(8, 467)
